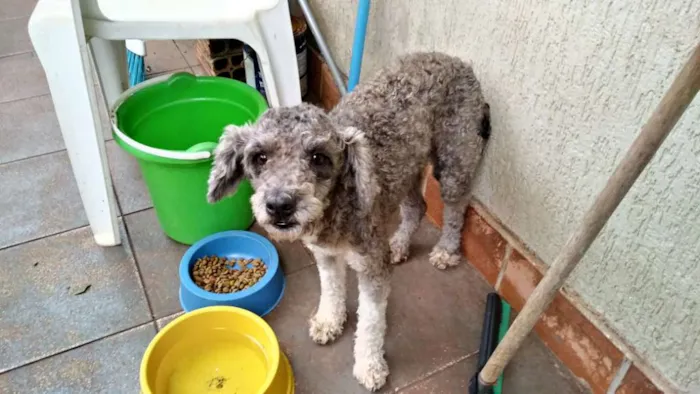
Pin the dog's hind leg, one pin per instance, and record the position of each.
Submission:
(459, 142)
(447, 252)
(412, 210)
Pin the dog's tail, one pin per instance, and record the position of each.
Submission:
(485, 131)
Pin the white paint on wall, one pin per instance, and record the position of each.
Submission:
(570, 84)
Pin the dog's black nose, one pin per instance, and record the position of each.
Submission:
(280, 206)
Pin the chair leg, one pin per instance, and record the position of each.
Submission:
(61, 47)
(279, 60)
(110, 61)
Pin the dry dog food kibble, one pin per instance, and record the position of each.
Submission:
(219, 275)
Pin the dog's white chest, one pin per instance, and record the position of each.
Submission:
(323, 250)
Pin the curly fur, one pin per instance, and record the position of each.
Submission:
(348, 171)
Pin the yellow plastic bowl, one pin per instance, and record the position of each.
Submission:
(218, 349)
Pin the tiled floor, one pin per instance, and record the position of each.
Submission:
(53, 340)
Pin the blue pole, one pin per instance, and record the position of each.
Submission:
(358, 45)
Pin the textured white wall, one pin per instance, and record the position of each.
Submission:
(570, 84)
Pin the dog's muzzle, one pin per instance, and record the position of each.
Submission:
(281, 207)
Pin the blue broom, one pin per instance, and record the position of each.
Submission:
(135, 52)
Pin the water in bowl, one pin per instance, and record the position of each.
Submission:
(232, 363)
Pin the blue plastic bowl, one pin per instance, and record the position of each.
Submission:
(261, 298)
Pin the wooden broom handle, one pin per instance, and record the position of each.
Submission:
(659, 125)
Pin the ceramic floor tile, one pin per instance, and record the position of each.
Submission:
(162, 56)
(198, 70)
(28, 128)
(15, 37)
(16, 8)
(434, 319)
(158, 258)
(453, 379)
(534, 370)
(188, 51)
(22, 76)
(535, 359)
(128, 184)
(316, 368)
(43, 309)
(161, 323)
(38, 197)
(110, 365)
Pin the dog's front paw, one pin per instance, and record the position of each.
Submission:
(441, 259)
(371, 373)
(399, 250)
(326, 329)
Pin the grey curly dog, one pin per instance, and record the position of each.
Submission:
(334, 180)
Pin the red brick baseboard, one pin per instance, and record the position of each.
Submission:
(502, 261)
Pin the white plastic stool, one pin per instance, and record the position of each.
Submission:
(61, 29)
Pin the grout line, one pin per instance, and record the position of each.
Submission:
(33, 157)
(139, 273)
(61, 232)
(173, 71)
(427, 375)
(128, 240)
(28, 97)
(309, 255)
(171, 316)
(43, 237)
(42, 154)
(298, 270)
(141, 210)
(21, 52)
(79, 346)
(25, 98)
(619, 376)
(11, 18)
(116, 200)
(183, 55)
(504, 267)
(116, 195)
(120, 215)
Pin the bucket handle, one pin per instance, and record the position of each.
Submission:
(168, 154)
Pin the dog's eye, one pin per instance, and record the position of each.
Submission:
(259, 159)
(320, 160)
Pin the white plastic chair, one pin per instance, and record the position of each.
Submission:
(61, 29)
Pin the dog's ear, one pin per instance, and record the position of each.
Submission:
(227, 169)
(360, 166)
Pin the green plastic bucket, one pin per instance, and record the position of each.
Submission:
(171, 124)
